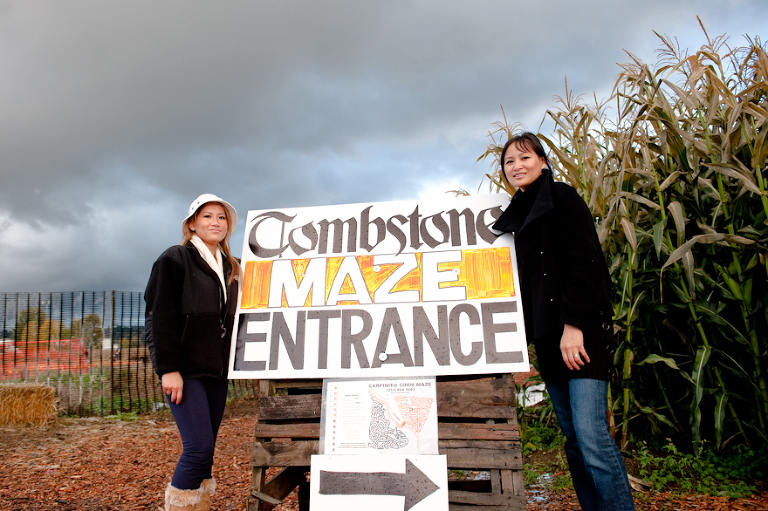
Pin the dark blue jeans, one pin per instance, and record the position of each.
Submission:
(598, 472)
(198, 418)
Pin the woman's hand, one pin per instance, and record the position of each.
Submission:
(572, 348)
(173, 383)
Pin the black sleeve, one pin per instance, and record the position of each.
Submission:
(582, 262)
(164, 322)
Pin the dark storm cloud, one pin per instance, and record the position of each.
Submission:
(114, 116)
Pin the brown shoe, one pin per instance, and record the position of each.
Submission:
(207, 488)
(182, 500)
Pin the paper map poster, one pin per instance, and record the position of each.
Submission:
(380, 416)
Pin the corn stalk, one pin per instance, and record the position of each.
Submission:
(677, 184)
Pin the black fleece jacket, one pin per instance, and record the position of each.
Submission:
(188, 323)
(564, 277)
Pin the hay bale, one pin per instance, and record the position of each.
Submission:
(27, 404)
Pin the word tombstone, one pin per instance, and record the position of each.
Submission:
(394, 289)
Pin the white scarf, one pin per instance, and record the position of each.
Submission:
(215, 262)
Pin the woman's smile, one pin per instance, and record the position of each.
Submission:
(522, 167)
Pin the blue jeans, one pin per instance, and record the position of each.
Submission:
(198, 418)
(598, 472)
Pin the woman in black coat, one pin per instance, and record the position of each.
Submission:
(191, 298)
(565, 290)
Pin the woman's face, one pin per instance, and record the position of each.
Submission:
(521, 166)
(210, 224)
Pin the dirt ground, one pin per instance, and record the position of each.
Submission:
(100, 464)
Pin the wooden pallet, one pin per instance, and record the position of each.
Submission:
(477, 431)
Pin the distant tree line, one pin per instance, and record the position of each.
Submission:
(34, 324)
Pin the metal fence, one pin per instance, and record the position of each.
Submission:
(89, 346)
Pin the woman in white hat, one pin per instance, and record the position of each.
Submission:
(190, 311)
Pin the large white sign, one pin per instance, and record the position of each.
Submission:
(378, 290)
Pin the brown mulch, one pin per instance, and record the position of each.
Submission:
(100, 464)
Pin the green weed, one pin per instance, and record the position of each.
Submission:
(729, 474)
(124, 416)
(540, 435)
(552, 476)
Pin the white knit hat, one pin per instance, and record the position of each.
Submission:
(205, 199)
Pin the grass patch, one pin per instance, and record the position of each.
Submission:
(124, 416)
(549, 470)
(730, 474)
(550, 475)
(540, 435)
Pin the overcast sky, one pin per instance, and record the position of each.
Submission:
(115, 115)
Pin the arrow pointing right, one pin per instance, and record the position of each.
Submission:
(414, 485)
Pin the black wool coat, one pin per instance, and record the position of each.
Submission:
(564, 277)
(188, 323)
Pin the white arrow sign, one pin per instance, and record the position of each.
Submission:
(382, 483)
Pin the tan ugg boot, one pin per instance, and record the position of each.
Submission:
(182, 500)
(207, 488)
